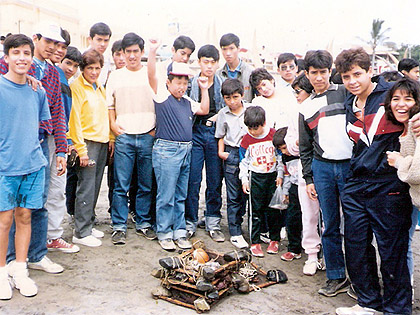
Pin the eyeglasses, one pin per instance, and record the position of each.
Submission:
(285, 67)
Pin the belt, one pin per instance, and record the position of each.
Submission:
(206, 122)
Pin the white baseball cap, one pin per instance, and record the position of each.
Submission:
(180, 68)
(49, 30)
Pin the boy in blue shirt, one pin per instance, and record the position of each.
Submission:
(172, 149)
(22, 162)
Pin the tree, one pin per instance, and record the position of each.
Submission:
(377, 37)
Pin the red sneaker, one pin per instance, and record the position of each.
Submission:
(256, 250)
(61, 245)
(289, 256)
(273, 248)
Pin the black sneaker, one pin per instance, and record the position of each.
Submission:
(334, 287)
(190, 234)
(217, 236)
(147, 233)
(202, 223)
(118, 238)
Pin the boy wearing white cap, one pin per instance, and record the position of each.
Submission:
(172, 149)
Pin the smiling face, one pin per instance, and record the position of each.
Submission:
(19, 60)
(44, 47)
(91, 72)
(358, 81)
(266, 88)
(60, 52)
(319, 78)
(133, 55)
(177, 86)
(69, 67)
(401, 103)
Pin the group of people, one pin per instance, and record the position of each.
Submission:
(323, 150)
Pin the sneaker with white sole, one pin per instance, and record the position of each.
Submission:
(97, 233)
(5, 287)
(310, 268)
(356, 310)
(289, 256)
(61, 245)
(217, 236)
(20, 279)
(167, 244)
(90, 241)
(265, 237)
(239, 241)
(45, 264)
(183, 243)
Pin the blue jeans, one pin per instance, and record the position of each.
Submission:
(171, 162)
(329, 180)
(39, 222)
(128, 150)
(235, 197)
(204, 148)
(410, 258)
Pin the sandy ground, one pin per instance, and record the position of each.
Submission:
(117, 280)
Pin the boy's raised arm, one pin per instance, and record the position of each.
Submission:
(151, 64)
(203, 82)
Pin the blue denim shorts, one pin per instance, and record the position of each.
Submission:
(23, 191)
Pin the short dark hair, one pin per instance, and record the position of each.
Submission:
(232, 86)
(208, 51)
(73, 54)
(391, 76)
(302, 82)
(407, 64)
(352, 57)
(66, 36)
(17, 40)
(130, 39)
(412, 88)
(228, 39)
(284, 57)
(182, 42)
(99, 29)
(319, 59)
(89, 57)
(116, 46)
(300, 64)
(254, 117)
(258, 75)
(279, 136)
(173, 76)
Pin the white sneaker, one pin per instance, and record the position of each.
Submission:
(310, 267)
(356, 310)
(5, 287)
(90, 241)
(21, 280)
(97, 233)
(45, 264)
(239, 241)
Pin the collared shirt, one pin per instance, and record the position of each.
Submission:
(88, 116)
(234, 74)
(230, 126)
(39, 68)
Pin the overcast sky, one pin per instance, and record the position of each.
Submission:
(293, 25)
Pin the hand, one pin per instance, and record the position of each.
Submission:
(223, 155)
(61, 165)
(310, 190)
(84, 161)
(111, 148)
(34, 83)
(245, 188)
(415, 120)
(71, 148)
(392, 157)
(154, 44)
(117, 129)
(286, 199)
(279, 181)
(203, 82)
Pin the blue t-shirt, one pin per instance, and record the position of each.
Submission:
(21, 111)
(174, 117)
